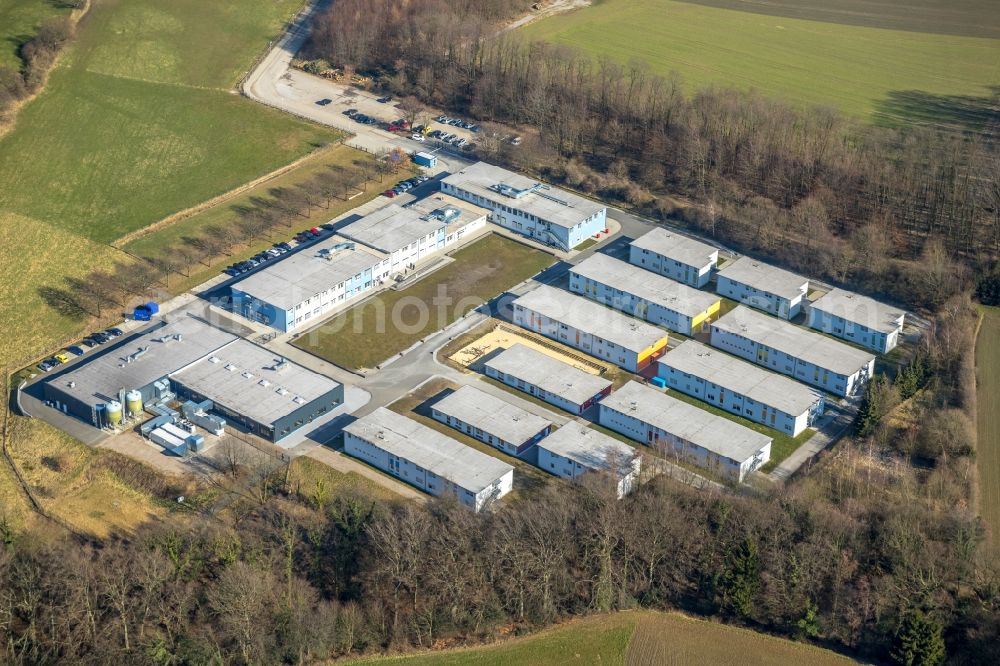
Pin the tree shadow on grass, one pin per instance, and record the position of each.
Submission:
(964, 113)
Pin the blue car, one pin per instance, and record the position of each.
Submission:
(75, 349)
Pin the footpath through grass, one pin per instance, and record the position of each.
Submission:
(988, 421)
(860, 70)
(384, 325)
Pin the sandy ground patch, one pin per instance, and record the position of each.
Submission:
(503, 337)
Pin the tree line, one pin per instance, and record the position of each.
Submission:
(876, 552)
(871, 206)
(37, 55)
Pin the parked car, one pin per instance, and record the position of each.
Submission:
(62, 357)
(89, 342)
(476, 129)
(389, 193)
(284, 246)
(115, 332)
(323, 102)
(423, 178)
(418, 137)
(231, 272)
(100, 338)
(76, 349)
(350, 112)
(272, 252)
(442, 119)
(47, 364)
(385, 99)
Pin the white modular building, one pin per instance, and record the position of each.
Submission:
(491, 420)
(427, 459)
(300, 288)
(859, 319)
(653, 298)
(763, 286)
(675, 255)
(593, 329)
(809, 357)
(462, 219)
(741, 388)
(524, 205)
(574, 450)
(694, 435)
(547, 378)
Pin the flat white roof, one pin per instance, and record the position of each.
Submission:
(648, 286)
(861, 310)
(710, 432)
(590, 317)
(491, 414)
(432, 450)
(592, 449)
(795, 341)
(548, 373)
(299, 275)
(274, 388)
(562, 208)
(392, 228)
(677, 247)
(142, 360)
(439, 203)
(764, 276)
(735, 374)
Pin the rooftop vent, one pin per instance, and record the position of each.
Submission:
(264, 383)
(213, 359)
(281, 390)
(247, 375)
(299, 401)
(136, 354)
(231, 368)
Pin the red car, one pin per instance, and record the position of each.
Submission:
(393, 127)
(389, 193)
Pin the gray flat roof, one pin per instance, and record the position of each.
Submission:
(551, 204)
(548, 373)
(433, 203)
(710, 432)
(651, 287)
(735, 374)
(795, 341)
(100, 378)
(861, 310)
(587, 446)
(310, 271)
(765, 277)
(585, 315)
(678, 247)
(391, 228)
(275, 387)
(432, 450)
(492, 414)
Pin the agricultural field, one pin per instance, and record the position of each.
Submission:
(372, 331)
(138, 121)
(886, 62)
(631, 639)
(19, 21)
(988, 420)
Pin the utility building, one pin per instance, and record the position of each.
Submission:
(574, 450)
(763, 286)
(301, 288)
(741, 388)
(547, 378)
(401, 234)
(674, 255)
(653, 298)
(266, 394)
(593, 329)
(712, 442)
(524, 205)
(809, 357)
(427, 459)
(857, 318)
(491, 420)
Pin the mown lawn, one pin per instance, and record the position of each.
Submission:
(855, 68)
(371, 332)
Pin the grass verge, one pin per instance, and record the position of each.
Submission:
(373, 331)
(988, 420)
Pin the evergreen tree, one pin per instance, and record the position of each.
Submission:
(918, 641)
(988, 290)
(871, 410)
(741, 581)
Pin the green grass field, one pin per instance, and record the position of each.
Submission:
(988, 421)
(872, 72)
(632, 638)
(139, 120)
(372, 331)
(19, 21)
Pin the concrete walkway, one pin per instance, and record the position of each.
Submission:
(835, 425)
